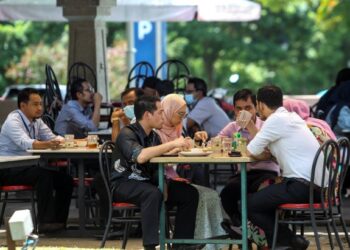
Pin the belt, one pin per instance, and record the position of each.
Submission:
(307, 183)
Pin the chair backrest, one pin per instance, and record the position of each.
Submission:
(49, 121)
(53, 97)
(344, 149)
(80, 70)
(139, 73)
(106, 167)
(325, 167)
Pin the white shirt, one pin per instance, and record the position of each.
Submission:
(289, 139)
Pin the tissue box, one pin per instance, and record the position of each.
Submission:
(21, 224)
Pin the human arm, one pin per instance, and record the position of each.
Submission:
(117, 117)
(96, 116)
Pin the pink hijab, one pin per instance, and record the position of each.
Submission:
(302, 109)
(170, 104)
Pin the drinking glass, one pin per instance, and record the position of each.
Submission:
(216, 144)
(69, 141)
(92, 141)
(226, 145)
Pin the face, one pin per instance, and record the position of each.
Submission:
(155, 120)
(129, 99)
(179, 115)
(247, 105)
(190, 89)
(150, 92)
(87, 94)
(261, 110)
(33, 108)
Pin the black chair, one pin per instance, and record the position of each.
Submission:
(52, 98)
(316, 212)
(80, 70)
(138, 73)
(126, 210)
(49, 121)
(344, 148)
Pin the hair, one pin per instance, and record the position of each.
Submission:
(24, 95)
(199, 84)
(76, 87)
(342, 76)
(143, 104)
(244, 94)
(270, 95)
(151, 82)
(165, 87)
(138, 92)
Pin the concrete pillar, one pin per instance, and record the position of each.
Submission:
(87, 36)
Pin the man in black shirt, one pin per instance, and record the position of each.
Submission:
(135, 178)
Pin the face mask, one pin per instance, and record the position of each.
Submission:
(189, 99)
(129, 111)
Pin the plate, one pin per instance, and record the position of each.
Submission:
(195, 153)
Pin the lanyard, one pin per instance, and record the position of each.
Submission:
(28, 130)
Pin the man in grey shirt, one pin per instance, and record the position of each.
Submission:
(206, 113)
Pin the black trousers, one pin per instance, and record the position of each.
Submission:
(231, 195)
(263, 204)
(149, 198)
(53, 190)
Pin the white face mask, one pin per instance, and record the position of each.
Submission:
(129, 111)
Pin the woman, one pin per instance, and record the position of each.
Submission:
(209, 213)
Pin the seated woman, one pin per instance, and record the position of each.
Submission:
(209, 213)
(318, 127)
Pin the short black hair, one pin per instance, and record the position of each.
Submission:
(244, 94)
(342, 76)
(199, 84)
(165, 87)
(143, 104)
(24, 95)
(139, 92)
(270, 95)
(77, 87)
(151, 82)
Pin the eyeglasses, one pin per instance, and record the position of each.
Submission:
(182, 115)
(90, 90)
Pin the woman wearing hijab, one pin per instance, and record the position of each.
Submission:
(209, 213)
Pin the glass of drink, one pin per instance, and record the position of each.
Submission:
(92, 141)
(226, 145)
(69, 141)
(216, 144)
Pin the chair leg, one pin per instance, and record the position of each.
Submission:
(314, 228)
(329, 232)
(337, 235)
(345, 230)
(275, 232)
(4, 202)
(32, 200)
(126, 230)
(105, 234)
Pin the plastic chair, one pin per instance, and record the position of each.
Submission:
(126, 209)
(53, 98)
(314, 212)
(138, 73)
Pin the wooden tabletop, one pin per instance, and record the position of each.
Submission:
(18, 161)
(74, 150)
(201, 159)
(18, 158)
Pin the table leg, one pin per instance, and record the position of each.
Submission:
(162, 209)
(244, 206)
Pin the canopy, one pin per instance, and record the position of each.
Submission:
(137, 10)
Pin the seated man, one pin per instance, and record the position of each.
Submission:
(258, 172)
(22, 130)
(294, 146)
(76, 116)
(135, 178)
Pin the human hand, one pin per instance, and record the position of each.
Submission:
(97, 99)
(201, 135)
(243, 119)
(53, 144)
(182, 143)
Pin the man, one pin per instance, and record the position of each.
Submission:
(123, 116)
(22, 130)
(135, 178)
(77, 117)
(150, 86)
(206, 114)
(294, 146)
(244, 99)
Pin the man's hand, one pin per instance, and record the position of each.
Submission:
(244, 117)
(97, 99)
(201, 135)
(182, 143)
(119, 113)
(53, 144)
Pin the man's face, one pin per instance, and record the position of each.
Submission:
(129, 99)
(190, 89)
(156, 119)
(150, 92)
(33, 108)
(247, 105)
(261, 110)
(87, 94)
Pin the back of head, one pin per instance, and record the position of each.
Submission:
(342, 76)
(244, 94)
(24, 95)
(298, 106)
(76, 87)
(199, 84)
(151, 82)
(271, 96)
(165, 87)
(144, 104)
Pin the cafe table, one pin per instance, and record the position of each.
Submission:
(18, 161)
(80, 154)
(210, 159)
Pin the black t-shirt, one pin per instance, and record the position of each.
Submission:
(129, 144)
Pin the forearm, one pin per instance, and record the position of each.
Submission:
(252, 129)
(261, 157)
(96, 116)
(148, 153)
(115, 129)
(41, 144)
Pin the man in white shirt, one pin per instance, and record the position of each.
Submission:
(293, 145)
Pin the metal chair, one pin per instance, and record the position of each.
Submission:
(138, 73)
(127, 210)
(52, 98)
(315, 212)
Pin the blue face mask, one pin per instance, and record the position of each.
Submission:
(189, 99)
(129, 111)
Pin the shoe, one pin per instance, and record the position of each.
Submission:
(298, 242)
(188, 246)
(50, 227)
(234, 232)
